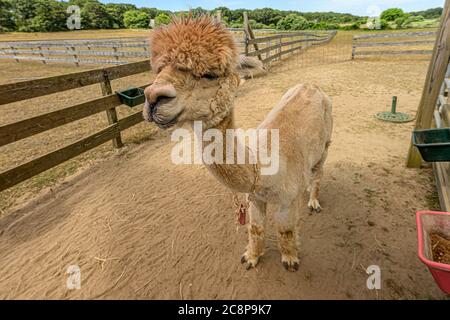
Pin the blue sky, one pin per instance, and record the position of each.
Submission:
(359, 7)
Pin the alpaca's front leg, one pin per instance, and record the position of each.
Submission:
(286, 219)
(256, 232)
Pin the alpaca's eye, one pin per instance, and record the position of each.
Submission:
(210, 76)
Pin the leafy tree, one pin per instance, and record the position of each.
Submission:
(49, 16)
(151, 12)
(6, 16)
(266, 15)
(162, 19)
(323, 26)
(377, 24)
(292, 22)
(94, 14)
(257, 25)
(181, 14)
(238, 15)
(197, 12)
(401, 20)
(392, 14)
(23, 13)
(434, 13)
(116, 13)
(236, 25)
(330, 17)
(39, 15)
(353, 26)
(411, 20)
(136, 19)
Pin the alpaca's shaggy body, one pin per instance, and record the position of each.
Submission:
(303, 117)
(196, 64)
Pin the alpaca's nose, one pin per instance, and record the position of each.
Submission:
(156, 92)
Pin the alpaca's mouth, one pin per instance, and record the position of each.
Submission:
(161, 120)
(166, 124)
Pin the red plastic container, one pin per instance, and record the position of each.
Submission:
(428, 222)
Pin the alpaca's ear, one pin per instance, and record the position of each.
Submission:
(250, 66)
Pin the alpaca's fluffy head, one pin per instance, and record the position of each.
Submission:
(200, 46)
(195, 62)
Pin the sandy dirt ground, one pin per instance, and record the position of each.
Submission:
(140, 227)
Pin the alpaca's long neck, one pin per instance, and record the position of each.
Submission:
(238, 177)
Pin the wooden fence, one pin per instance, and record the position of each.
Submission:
(274, 47)
(126, 50)
(25, 90)
(267, 48)
(106, 51)
(442, 120)
(420, 43)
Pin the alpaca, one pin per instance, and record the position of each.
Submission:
(196, 65)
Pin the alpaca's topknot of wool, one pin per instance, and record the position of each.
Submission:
(200, 45)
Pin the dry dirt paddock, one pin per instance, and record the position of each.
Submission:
(140, 227)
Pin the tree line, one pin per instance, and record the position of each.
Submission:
(52, 15)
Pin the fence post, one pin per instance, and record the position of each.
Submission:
(250, 35)
(435, 76)
(246, 44)
(75, 57)
(115, 52)
(219, 16)
(14, 53)
(246, 36)
(281, 46)
(353, 48)
(42, 55)
(111, 113)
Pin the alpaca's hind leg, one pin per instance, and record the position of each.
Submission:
(256, 232)
(317, 173)
(286, 219)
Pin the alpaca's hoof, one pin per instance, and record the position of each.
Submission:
(249, 263)
(290, 264)
(314, 206)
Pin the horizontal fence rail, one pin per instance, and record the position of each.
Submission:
(23, 129)
(423, 41)
(396, 35)
(32, 168)
(82, 53)
(24, 90)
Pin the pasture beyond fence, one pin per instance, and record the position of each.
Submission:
(388, 44)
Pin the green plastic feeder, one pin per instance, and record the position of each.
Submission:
(433, 144)
(394, 116)
(132, 97)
